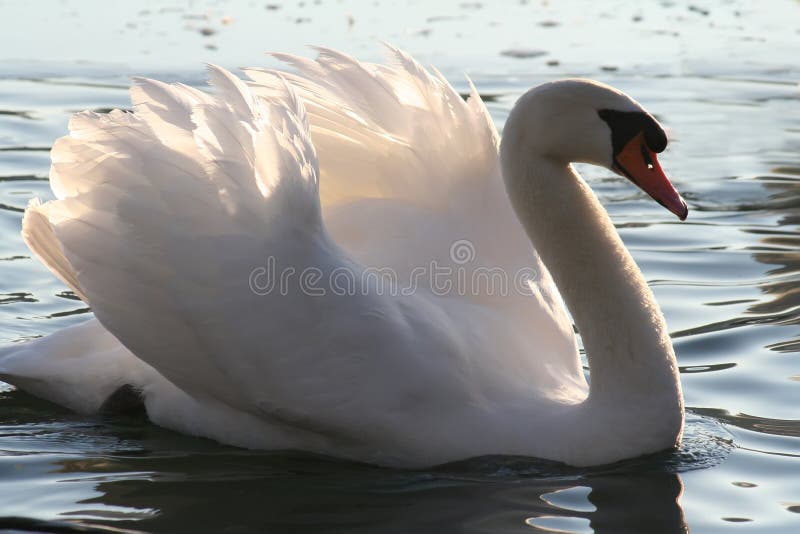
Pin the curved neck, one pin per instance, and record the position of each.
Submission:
(631, 360)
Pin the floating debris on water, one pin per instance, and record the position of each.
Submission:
(700, 10)
(442, 18)
(523, 53)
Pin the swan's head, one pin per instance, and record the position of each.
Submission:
(585, 121)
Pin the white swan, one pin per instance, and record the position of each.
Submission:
(167, 220)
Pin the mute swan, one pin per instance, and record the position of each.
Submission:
(170, 221)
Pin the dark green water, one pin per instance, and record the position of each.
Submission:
(722, 77)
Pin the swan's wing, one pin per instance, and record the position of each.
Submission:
(163, 214)
(405, 157)
(389, 131)
(410, 178)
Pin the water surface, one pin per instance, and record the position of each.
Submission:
(721, 76)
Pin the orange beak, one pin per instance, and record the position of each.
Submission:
(640, 165)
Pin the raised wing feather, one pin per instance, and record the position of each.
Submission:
(389, 131)
(39, 235)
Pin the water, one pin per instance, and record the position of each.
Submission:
(722, 77)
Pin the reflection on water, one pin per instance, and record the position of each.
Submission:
(722, 77)
(134, 475)
(298, 493)
(326, 499)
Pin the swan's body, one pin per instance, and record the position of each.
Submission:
(168, 219)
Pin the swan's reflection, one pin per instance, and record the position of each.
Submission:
(638, 503)
(126, 473)
(247, 492)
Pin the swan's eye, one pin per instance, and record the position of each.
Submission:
(625, 125)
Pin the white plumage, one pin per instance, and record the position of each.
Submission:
(163, 215)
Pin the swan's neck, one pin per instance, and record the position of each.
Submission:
(633, 371)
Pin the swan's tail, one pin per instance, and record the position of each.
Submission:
(80, 367)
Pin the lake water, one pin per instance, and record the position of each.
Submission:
(721, 76)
